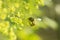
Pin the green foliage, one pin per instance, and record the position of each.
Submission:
(14, 22)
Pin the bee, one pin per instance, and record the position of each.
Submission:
(31, 19)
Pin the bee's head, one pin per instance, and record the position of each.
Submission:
(31, 19)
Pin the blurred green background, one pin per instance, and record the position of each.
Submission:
(44, 22)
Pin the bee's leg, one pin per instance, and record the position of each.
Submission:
(32, 24)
